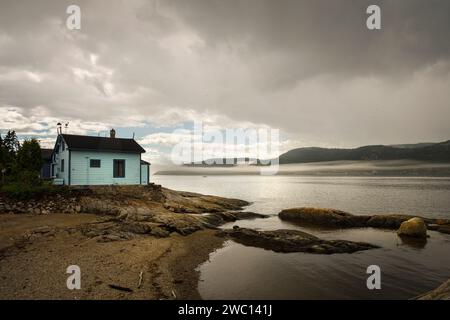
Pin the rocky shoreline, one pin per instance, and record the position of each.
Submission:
(117, 233)
(121, 233)
(440, 293)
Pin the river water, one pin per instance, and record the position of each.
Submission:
(407, 269)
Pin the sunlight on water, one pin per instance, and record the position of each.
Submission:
(408, 269)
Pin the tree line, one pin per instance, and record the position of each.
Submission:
(20, 163)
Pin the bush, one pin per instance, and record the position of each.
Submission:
(28, 178)
(24, 191)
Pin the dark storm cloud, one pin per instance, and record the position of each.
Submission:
(313, 37)
(310, 68)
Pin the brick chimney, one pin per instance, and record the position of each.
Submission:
(112, 133)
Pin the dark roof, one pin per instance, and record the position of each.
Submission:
(145, 162)
(46, 154)
(76, 142)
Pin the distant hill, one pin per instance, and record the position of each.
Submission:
(413, 145)
(422, 151)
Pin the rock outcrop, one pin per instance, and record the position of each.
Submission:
(323, 217)
(292, 241)
(414, 227)
(218, 218)
(331, 218)
(137, 210)
(116, 200)
(444, 229)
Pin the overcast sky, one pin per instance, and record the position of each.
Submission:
(308, 68)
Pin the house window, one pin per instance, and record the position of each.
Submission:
(119, 168)
(62, 165)
(95, 163)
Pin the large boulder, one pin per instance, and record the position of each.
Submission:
(414, 227)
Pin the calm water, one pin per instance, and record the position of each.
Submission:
(408, 269)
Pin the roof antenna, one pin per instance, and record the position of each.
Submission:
(65, 127)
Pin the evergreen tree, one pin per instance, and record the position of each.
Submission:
(11, 145)
(28, 163)
(29, 156)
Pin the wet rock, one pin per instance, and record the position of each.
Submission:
(433, 227)
(440, 293)
(218, 218)
(387, 221)
(417, 243)
(323, 217)
(292, 241)
(444, 229)
(244, 215)
(331, 218)
(414, 227)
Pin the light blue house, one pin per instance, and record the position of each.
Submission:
(88, 160)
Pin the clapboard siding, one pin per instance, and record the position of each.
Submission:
(82, 174)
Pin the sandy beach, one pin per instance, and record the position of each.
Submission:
(36, 269)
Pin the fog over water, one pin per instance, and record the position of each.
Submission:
(350, 168)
